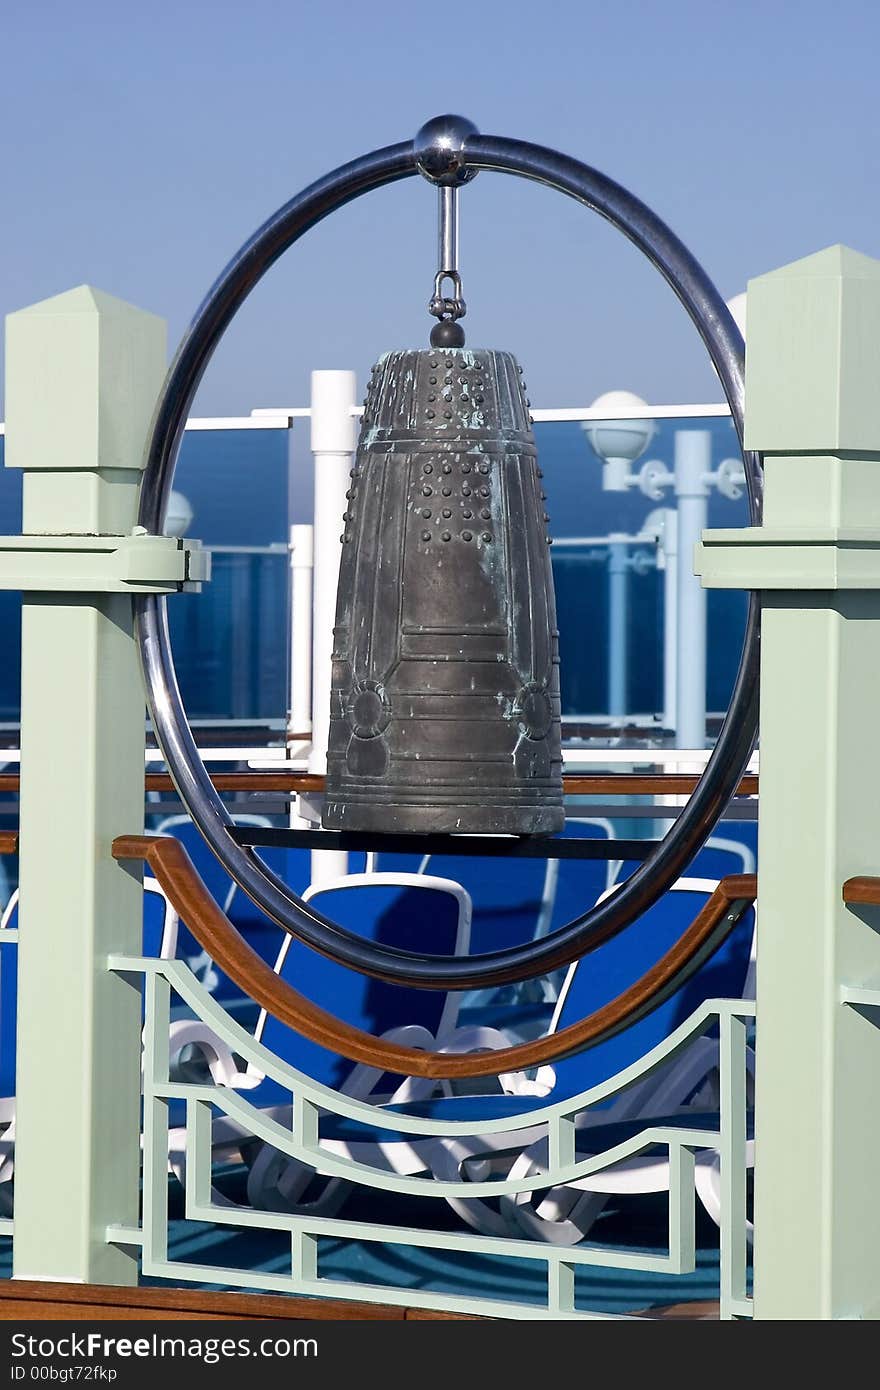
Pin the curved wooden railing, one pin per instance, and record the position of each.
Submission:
(212, 929)
(862, 889)
(574, 784)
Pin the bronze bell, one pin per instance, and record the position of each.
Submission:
(445, 711)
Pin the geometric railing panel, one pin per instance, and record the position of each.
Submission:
(296, 1131)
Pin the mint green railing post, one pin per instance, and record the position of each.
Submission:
(813, 409)
(83, 373)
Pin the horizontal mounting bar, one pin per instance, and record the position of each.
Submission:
(494, 846)
(102, 564)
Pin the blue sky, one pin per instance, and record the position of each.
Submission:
(142, 145)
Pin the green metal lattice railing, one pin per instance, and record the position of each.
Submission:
(297, 1133)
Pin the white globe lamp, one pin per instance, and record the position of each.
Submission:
(618, 442)
(179, 514)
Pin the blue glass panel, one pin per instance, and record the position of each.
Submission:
(236, 484)
(578, 507)
(230, 642)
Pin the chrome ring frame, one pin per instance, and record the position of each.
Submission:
(730, 756)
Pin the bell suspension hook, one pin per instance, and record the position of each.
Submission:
(447, 332)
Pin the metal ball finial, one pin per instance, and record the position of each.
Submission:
(439, 150)
(448, 333)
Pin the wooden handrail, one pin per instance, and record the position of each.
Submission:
(28, 1299)
(862, 889)
(8, 841)
(642, 783)
(574, 783)
(212, 929)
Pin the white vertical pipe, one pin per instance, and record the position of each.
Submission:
(669, 552)
(618, 578)
(693, 462)
(333, 444)
(669, 543)
(299, 720)
(302, 552)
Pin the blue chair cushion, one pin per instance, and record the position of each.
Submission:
(416, 919)
(606, 972)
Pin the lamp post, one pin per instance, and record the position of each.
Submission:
(619, 443)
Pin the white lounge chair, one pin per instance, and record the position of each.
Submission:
(685, 1086)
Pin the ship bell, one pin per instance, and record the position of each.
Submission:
(445, 710)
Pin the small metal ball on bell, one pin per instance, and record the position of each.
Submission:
(448, 333)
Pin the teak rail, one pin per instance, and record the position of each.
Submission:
(574, 784)
(212, 929)
(862, 889)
